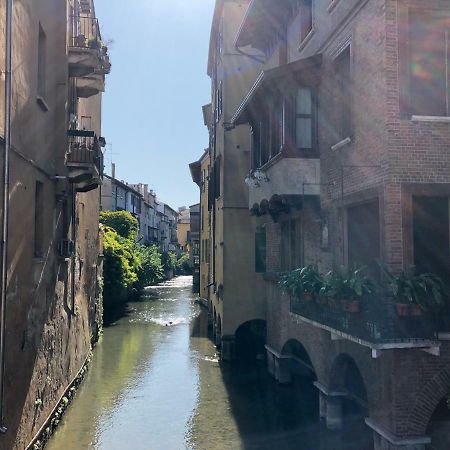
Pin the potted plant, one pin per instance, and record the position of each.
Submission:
(348, 287)
(415, 293)
(304, 283)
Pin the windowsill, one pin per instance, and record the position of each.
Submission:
(306, 40)
(332, 5)
(341, 144)
(42, 103)
(431, 119)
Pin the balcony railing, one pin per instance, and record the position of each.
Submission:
(84, 150)
(377, 322)
(84, 33)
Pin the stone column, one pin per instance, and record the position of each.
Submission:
(330, 407)
(322, 406)
(334, 415)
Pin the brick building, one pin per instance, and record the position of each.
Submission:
(343, 131)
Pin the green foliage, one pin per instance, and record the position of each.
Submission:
(169, 261)
(120, 267)
(151, 269)
(184, 266)
(345, 284)
(425, 290)
(122, 222)
(128, 266)
(303, 280)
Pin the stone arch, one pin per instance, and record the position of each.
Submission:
(250, 339)
(427, 401)
(346, 377)
(300, 361)
(347, 401)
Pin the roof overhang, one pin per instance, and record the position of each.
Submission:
(304, 71)
(196, 172)
(261, 21)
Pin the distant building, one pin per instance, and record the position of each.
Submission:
(194, 244)
(157, 221)
(183, 228)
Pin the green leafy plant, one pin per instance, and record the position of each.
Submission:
(345, 284)
(184, 266)
(305, 280)
(425, 290)
(122, 222)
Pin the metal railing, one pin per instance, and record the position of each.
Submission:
(84, 32)
(377, 322)
(84, 148)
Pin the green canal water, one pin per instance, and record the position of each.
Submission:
(155, 382)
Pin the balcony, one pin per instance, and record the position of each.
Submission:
(87, 54)
(377, 324)
(90, 85)
(84, 160)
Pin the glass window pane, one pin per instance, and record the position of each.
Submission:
(304, 101)
(304, 132)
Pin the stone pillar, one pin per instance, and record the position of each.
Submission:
(270, 362)
(334, 415)
(330, 407)
(322, 407)
(228, 348)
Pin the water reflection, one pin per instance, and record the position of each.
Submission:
(156, 383)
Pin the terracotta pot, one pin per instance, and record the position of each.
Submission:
(307, 296)
(354, 307)
(416, 310)
(402, 309)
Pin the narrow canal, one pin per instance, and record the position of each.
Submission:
(155, 382)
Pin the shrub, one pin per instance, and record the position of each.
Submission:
(184, 266)
(122, 222)
(169, 261)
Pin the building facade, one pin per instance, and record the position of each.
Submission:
(232, 247)
(344, 128)
(200, 173)
(53, 308)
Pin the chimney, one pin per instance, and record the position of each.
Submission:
(113, 170)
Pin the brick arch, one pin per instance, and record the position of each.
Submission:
(427, 400)
(295, 348)
(344, 370)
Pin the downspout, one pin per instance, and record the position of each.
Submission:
(5, 218)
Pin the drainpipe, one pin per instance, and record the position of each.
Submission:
(4, 281)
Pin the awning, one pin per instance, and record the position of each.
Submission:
(306, 70)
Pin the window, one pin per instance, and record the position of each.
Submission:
(304, 135)
(428, 46)
(290, 251)
(306, 18)
(42, 63)
(260, 250)
(343, 94)
(39, 215)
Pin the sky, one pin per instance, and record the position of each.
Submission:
(152, 117)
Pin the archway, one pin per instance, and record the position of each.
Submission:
(250, 339)
(439, 427)
(303, 396)
(347, 381)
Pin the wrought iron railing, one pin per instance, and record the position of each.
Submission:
(84, 32)
(84, 148)
(377, 322)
